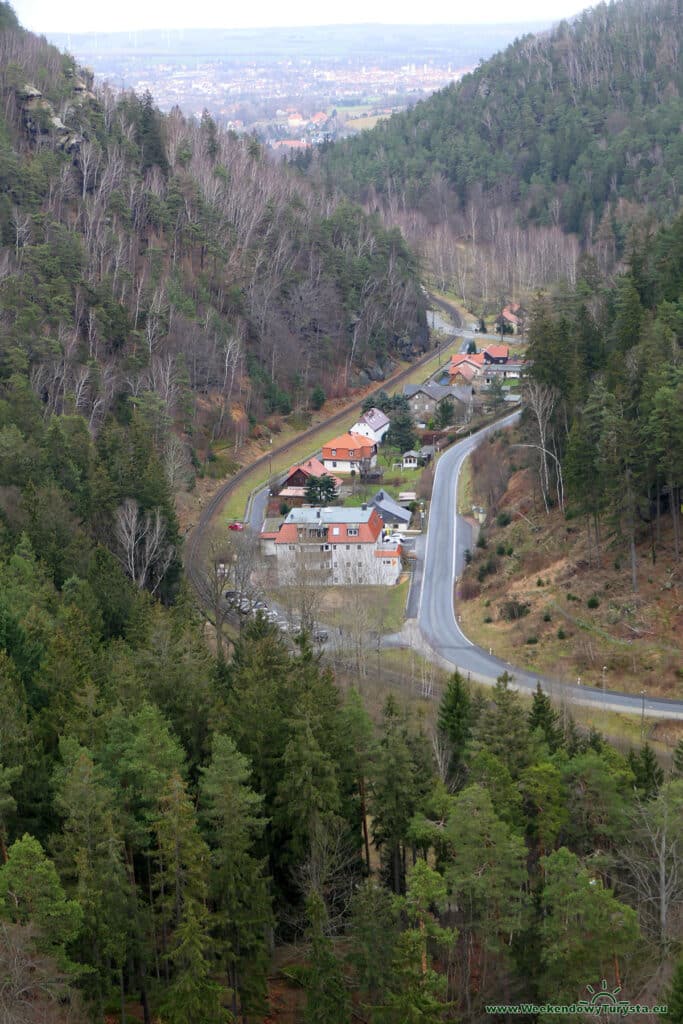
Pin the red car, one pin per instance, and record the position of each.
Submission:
(236, 526)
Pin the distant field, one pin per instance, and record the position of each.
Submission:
(361, 124)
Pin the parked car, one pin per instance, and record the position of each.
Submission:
(236, 525)
(320, 635)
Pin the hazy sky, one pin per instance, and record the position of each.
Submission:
(118, 15)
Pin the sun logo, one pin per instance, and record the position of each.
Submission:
(603, 996)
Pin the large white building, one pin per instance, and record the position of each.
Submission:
(344, 546)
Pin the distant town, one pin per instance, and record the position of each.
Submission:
(292, 88)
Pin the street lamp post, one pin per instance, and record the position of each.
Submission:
(604, 670)
(270, 459)
(642, 715)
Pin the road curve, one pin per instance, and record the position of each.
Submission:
(444, 559)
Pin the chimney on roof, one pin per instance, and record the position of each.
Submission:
(317, 512)
(364, 506)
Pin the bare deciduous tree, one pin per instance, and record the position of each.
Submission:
(143, 548)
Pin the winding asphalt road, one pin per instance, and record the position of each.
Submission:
(443, 562)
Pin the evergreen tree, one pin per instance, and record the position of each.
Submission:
(543, 717)
(455, 719)
(321, 490)
(677, 760)
(648, 775)
(90, 854)
(503, 728)
(31, 893)
(584, 927)
(327, 999)
(373, 933)
(416, 990)
(237, 884)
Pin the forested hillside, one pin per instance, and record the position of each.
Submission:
(571, 126)
(162, 263)
(564, 142)
(606, 397)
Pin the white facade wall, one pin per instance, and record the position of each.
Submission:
(376, 436)
(336, 564)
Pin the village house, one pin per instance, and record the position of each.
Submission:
(464, 367)
(512, 370)
(293, 487)
(349, 453)
(424, 401)
(333, 546)
(394, 516)
(497, 354)
(410, 460)
(373, 424)
(512, 318)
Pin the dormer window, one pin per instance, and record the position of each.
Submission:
(352, 531)
(334, 452)
(351, 453)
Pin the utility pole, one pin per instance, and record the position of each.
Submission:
(642, 716)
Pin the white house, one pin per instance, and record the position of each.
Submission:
(349, 453)
(334, 545)
(372, 424)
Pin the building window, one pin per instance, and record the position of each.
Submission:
(348, 547)
(353, 531)
(351, 453)
(334, 452)
(334, 465)
(292, 547)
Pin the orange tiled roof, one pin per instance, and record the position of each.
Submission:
(476, 358)
(361, 447)
(498, 351)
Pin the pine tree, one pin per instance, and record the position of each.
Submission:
(327, 998)
(89, 850)
(31, 892)
(373, 934)
(416, 990)
(543, 716)
(503, 728)
(677, 760)
(181, 884)
(649, 776)
(583, 928)
(238, 888)
(455, 720)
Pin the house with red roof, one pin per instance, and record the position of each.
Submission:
(349, 453)
(294, 485)
(512, 316)
(496, 354)
(465, 367)
(334, 546)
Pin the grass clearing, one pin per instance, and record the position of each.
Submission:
(465, 498)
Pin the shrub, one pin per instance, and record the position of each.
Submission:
(593, 601)
(547, 617)
(500, 550)
(468, 556)
(488, 619)
(531, 640)
(539, 582)
(503, 519)
(561, 635)
(318, 397)
(513, 610)
(481, 540)
(510, 550)
(487, 568)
